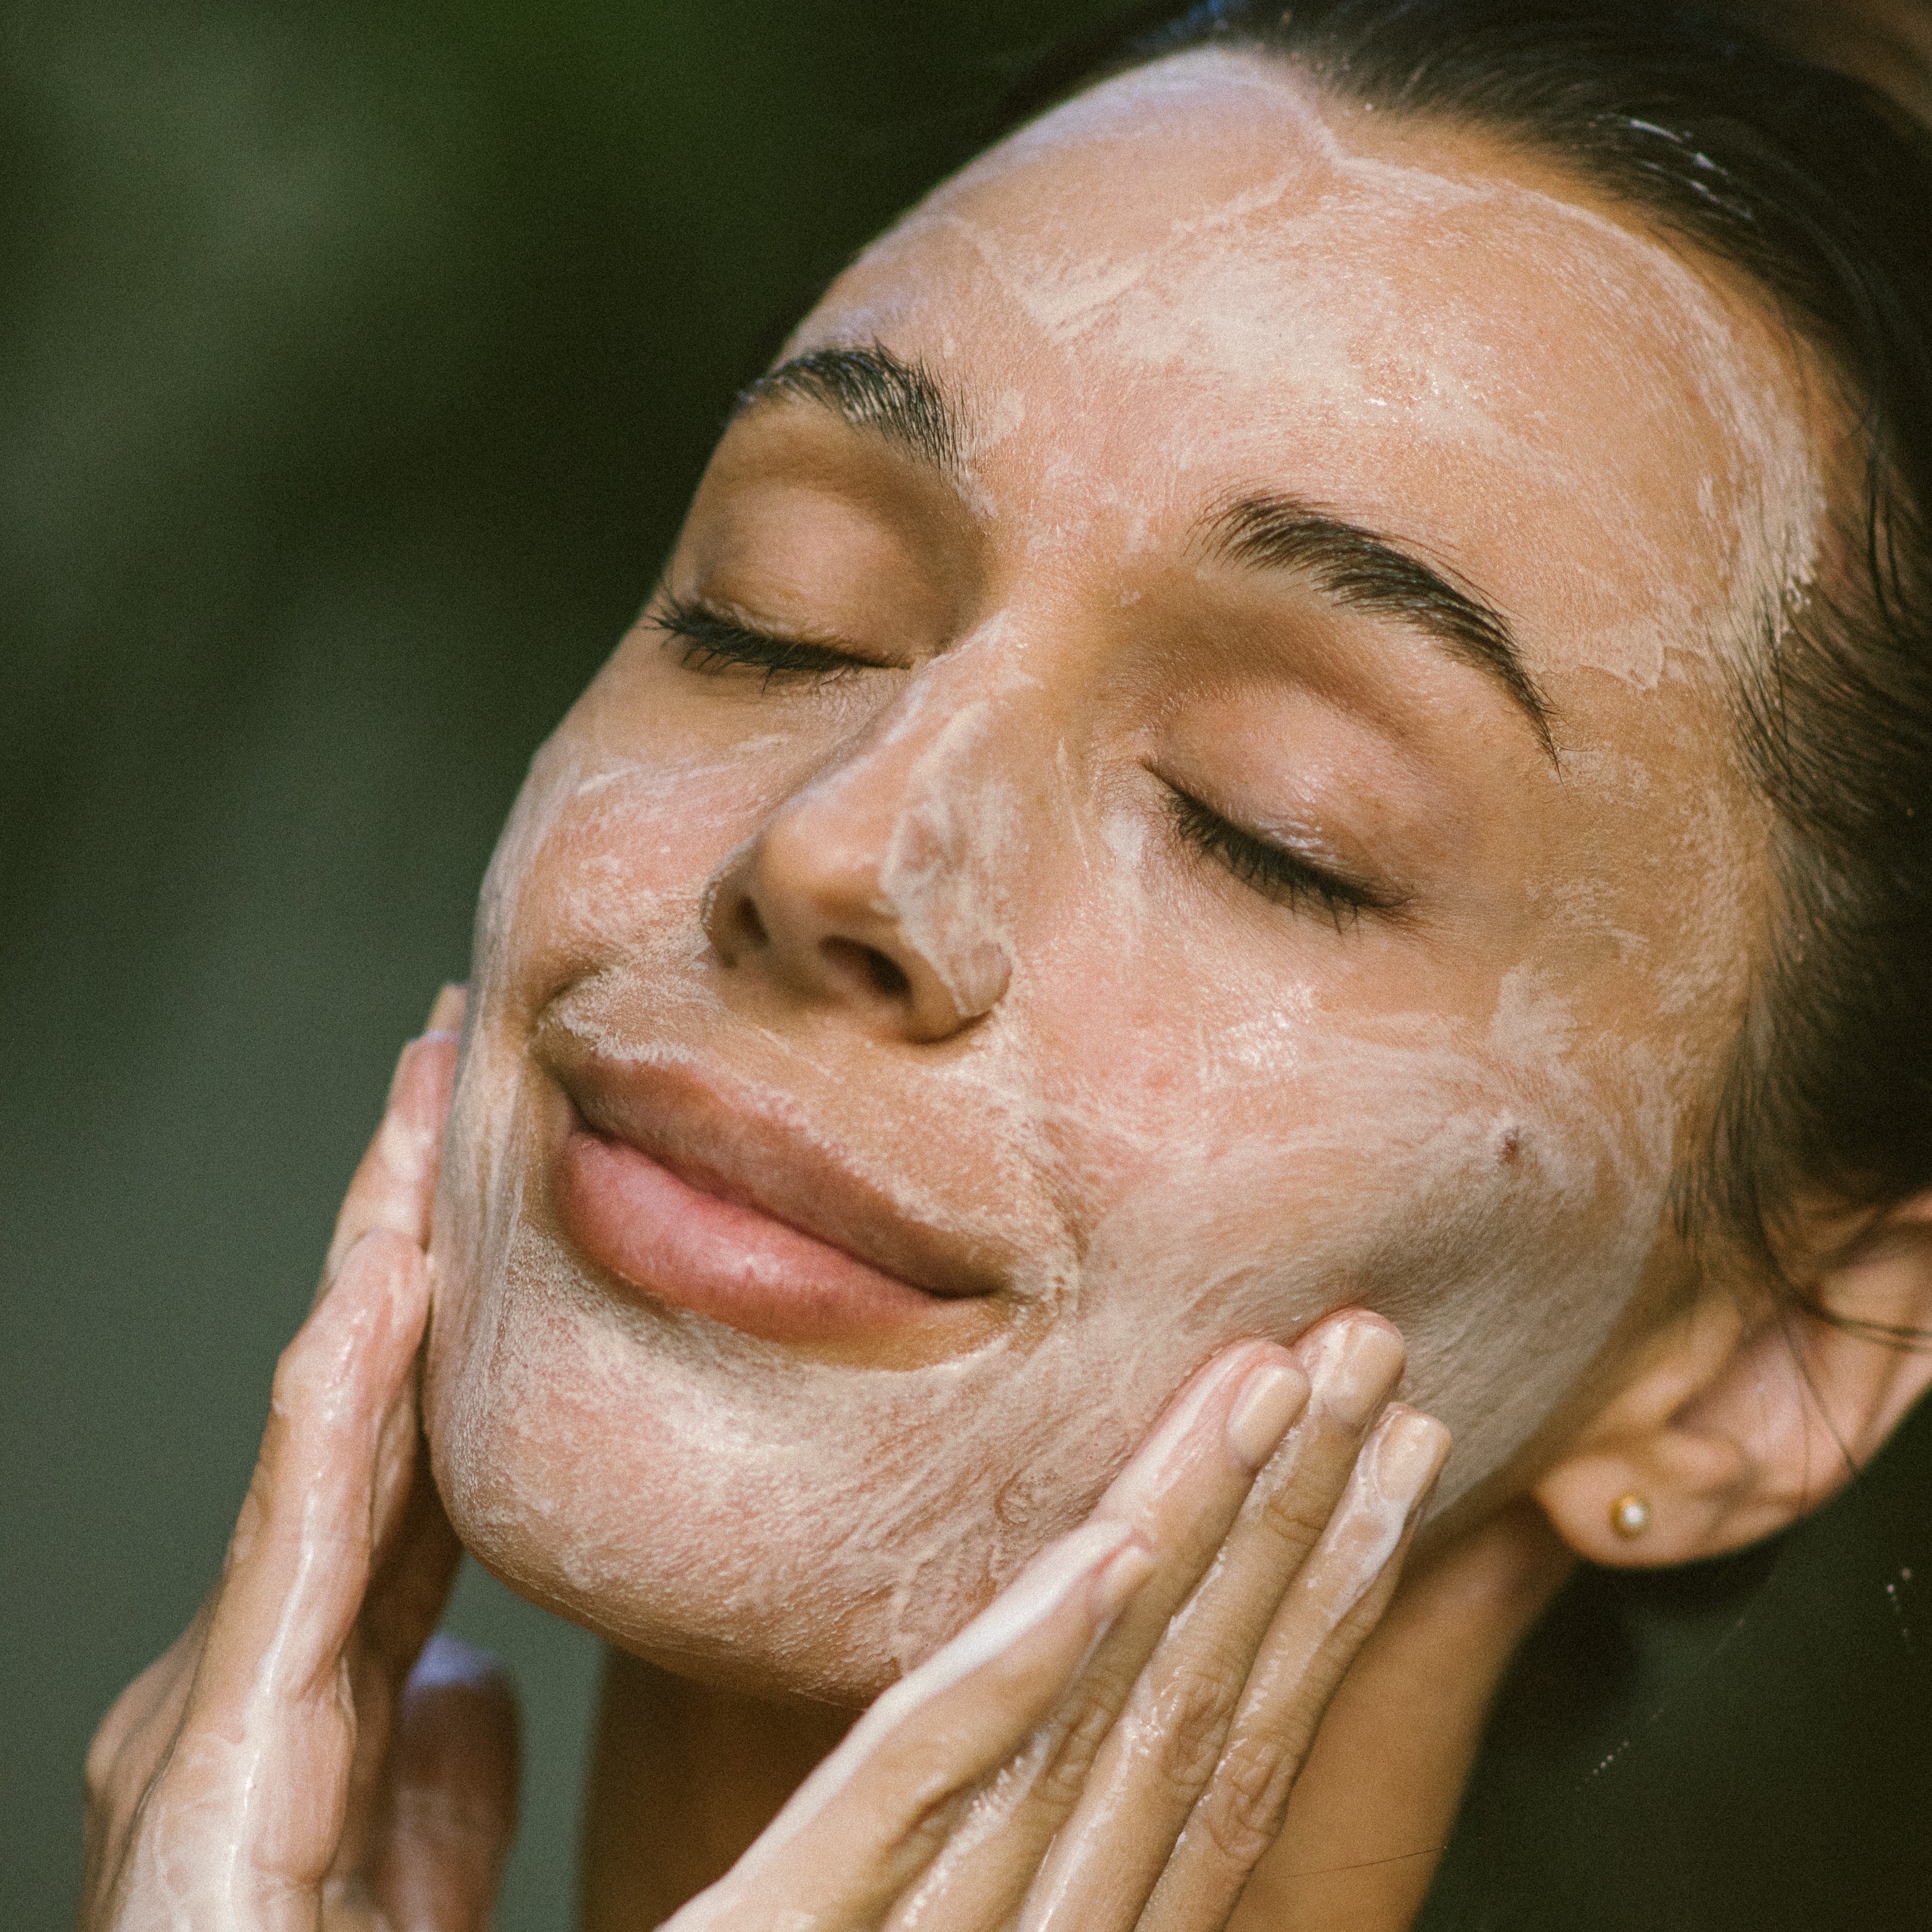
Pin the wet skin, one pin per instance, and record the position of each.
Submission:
(1040, 918)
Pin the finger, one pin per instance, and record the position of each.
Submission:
(154, 1701)
(412, 1565)
(415, 1556)
(452, 1803)
(1158, 1758)
(395, 1187)
(999, 1850)
(169, 1751)
(415, 1552)
(864, 1824)
(1182, 1490)
(260, 1768)
(1338, 1598)
(128, 1747)
(338, 1422)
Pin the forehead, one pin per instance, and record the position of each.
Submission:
(1204, 276)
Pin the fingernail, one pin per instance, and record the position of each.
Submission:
(1116, 1582)
(1409, 1457)
(1173, 1440)
(1355, 1366)
(1265, 1407)
(445, 1013)
(416, 1086)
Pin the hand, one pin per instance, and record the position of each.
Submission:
(1112, 1742)
(299, 1759)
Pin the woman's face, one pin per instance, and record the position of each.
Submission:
(1240, 820)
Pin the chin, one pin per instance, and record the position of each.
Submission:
(740, 1510)
(784, 1527)
(733, 1507)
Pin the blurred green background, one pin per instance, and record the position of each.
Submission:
(355, 363)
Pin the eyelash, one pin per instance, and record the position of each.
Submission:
(712, 644)
(1277, 875)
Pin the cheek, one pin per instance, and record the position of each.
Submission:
(1495, 1191)
(768, 1524)
(608, 852)
(781, 1525)
(1239, 1164)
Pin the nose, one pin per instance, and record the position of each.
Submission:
(865, 891)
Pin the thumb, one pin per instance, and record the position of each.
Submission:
(453, 1792)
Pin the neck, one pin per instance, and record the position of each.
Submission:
(1371, 1813)
(684, 1777)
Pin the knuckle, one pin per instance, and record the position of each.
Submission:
(386, 1249)
(126, 1740)
(298, 1385)
(374, 1304)
(291, 1367)
(104, 1749)
(1240, 1814)
(1063, 1775)
(469, 1824)
(930, 1824)
(1293, 1518)
(1189, 1718)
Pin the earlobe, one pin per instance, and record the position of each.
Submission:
(1650, 1483)
(1738, 1419)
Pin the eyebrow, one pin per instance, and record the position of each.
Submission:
(870, 388)
(1366, 571)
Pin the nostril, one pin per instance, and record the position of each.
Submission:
(751, 928)
(883, 975)
(887, 975)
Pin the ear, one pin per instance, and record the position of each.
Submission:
(1742, 1414)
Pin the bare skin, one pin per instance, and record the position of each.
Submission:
(298, 1759)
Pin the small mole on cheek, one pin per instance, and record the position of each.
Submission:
(1509, 1146)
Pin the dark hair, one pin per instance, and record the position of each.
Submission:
(1819, 188)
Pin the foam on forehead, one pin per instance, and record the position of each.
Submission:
(1337, 289)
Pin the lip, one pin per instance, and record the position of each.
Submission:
(697, 1195)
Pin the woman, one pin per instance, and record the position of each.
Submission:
(1282, 761)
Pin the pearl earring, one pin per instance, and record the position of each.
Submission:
(1630, 1515)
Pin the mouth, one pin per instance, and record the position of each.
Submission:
(692, 1194)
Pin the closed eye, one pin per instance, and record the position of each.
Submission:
(714, 644)
(1274, 871)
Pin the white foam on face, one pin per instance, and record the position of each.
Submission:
(1184, 1123)
(1303, 283)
